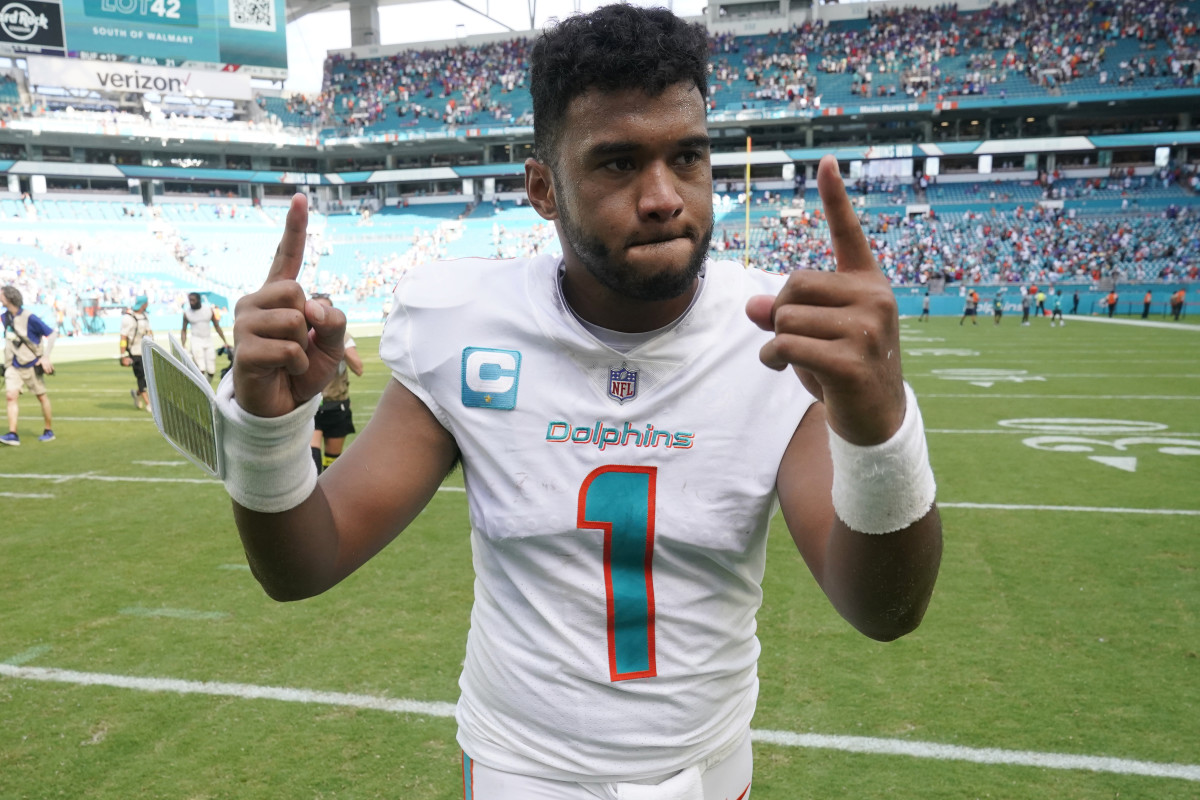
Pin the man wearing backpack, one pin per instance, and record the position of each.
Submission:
(27, 345)
(135, 326)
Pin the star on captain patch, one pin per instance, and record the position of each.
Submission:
(622, 383)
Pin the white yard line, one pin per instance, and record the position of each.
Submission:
(1182, 512)
(978, 755)
(1137, 323)
(1024, 432)
(1068, 375)
(1006, 396)
(88, 476)
(848, 744)
(173, 613)
(243, 690)
(92, 476)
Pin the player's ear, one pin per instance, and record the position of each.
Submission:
(539, 187)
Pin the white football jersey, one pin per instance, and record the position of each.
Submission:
(200, 320)
(619, 506)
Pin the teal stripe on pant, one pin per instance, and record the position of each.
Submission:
(468, 793)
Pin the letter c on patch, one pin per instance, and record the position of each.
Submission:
(490, 378)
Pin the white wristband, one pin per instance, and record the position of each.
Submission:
(268, 466)
(885, 487)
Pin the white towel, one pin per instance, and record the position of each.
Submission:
(685, 785)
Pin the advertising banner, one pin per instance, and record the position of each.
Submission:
(31, 26)
(236, 35)
(106, 76)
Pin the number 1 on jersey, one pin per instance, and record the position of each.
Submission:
(619, 500)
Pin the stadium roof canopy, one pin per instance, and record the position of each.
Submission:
(299, 8)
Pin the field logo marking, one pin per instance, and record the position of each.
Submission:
(1086, 430)
(987, 377)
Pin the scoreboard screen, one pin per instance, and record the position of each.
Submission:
(248, 35)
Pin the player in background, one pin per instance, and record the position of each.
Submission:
(135, 326)
(203, 320)
(1056, 313)
(334, 420)
(608, 410)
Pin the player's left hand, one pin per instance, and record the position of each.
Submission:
(840, 330)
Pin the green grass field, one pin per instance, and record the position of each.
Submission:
(1060, 657)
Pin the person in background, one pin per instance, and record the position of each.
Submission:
(334, 420)
(1146, 301)
(135, 326)
(1111, 302)
(1177, 303)
(203, 320)
(970, 307)
(1056, 313)
(27, 345)
(924, 308)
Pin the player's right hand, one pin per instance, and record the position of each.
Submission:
(287, 347)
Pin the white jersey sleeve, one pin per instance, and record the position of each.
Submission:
(619, 506)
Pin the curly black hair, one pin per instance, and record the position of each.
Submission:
(615, 47)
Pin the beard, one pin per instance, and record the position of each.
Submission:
(623, 278)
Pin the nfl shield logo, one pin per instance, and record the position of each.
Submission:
(622, 384)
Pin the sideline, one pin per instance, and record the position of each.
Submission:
(848, 744)
(1138, 323)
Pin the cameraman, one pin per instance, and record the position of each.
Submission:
(135, 326)
(27, 345)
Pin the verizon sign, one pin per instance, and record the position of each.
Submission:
(104, 76)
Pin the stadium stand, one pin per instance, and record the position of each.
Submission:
(415, 153)
(1019, 50)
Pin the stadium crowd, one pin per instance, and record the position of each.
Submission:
(907, 52)
(915, 54)
(1017, 246)
(910, 52)
(471, 81)
(994, 245)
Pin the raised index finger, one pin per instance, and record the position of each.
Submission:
(290, 254)
(851, 252)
